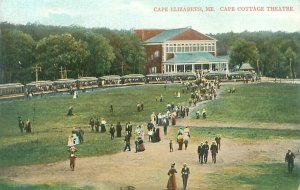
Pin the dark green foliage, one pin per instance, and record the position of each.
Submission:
(271, 48)
(93, 52)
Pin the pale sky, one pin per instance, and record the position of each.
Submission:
(129, 14)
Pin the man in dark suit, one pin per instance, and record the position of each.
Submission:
(185, 171)
(214, 152)
(127, 142)
(128, 129)
(206, 148)
(289, 158)
(201, 152)
(218, 141)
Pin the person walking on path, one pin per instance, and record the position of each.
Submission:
(72, 151)
(185, 171)
(214, 152)
(201, 153)
(206, 148)
(127, 143)
(172, 178)
(218, 141)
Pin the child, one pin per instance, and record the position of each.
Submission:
(171, 146)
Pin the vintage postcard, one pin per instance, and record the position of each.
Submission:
(150, 94)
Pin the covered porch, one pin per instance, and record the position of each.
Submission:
(195, 62)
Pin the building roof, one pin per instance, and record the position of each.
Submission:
(246, 66)
(145, 34)
(195, 57)
(178, 34)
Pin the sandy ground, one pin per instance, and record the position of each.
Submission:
(148, 169)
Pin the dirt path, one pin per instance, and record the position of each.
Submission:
(148, 169)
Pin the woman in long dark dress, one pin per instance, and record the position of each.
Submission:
(172, 178)
(119, 129)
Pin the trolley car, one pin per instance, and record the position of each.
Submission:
(133, 79)
(12, 90)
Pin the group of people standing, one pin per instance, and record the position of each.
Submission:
(98, 126)
(204, 148)
(24, 125)
(183, 137)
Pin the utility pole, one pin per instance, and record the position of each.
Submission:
(37, 69)
(291, 67)
(257, 66)
(66, 73)
(122, 69)
(61, 72)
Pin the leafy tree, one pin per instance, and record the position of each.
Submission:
(61, 51)
(241, 52)
(17, 57)
(129, 52)
(101, 55)
(274, 62)
(134, 54)
(291, 59)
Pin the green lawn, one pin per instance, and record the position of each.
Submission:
(275, 103)
(263, 102)
(6, 185)
(266, 176)
(51, 125)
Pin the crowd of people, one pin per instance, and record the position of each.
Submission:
(204, 91)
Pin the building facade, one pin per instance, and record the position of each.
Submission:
(180, 50)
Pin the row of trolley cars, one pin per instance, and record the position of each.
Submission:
(84, 83)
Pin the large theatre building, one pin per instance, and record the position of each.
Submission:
(180, 50)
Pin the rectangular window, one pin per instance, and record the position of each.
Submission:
(202, 47)
(186, 48)
(213, 47)
(209, 47)
(179, 49)
(197, 67)
(153, 70)
(180, 68)
(156, 54)
(171, 49)
(188, 68)
(194, 47)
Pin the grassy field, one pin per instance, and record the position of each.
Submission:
(5, 185)
(274, 103)
(52, 126)
(266, 176)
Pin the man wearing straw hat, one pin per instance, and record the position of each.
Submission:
(185, 171)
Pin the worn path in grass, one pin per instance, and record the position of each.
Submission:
(148, 169)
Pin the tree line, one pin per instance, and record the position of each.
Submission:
(77, 51)
(73, 51)
(272, 54)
